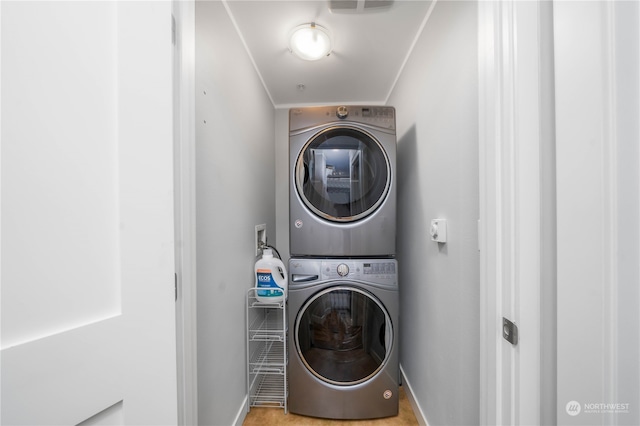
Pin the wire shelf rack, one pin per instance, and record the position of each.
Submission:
(266, 352)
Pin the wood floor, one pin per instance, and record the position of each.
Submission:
(260, 416)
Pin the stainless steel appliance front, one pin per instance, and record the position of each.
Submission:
(342, 193)
(343, 343)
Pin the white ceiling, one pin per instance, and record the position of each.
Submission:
(369, 49)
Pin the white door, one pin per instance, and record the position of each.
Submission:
(597, 48)
(88, 315)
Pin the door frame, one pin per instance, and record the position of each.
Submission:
(509, 225)
(183, 16)
(510, 209)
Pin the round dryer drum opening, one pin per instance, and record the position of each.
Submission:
(343, 174)
(343, 335)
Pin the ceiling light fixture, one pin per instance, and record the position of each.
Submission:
(310, 42)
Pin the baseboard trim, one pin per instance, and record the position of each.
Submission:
(242, 412)
(417, 410)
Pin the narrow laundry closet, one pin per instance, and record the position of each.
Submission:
(243, 179)
(146, 162)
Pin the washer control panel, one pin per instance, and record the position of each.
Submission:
(381, 271)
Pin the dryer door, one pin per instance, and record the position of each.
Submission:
(343, 335)
(343, 174)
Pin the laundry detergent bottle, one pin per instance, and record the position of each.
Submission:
(271, 279)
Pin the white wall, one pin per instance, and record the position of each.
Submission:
(235, 191)
(282, 182)
(436, 99)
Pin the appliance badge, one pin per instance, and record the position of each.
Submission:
(298, 223)
(387, 394)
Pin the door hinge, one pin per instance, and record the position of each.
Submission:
(509, 331)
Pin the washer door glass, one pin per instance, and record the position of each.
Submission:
(342, 174)
(343, 335)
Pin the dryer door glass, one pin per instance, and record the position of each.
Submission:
(343, 335)
(343, 174)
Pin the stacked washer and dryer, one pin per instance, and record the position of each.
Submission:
(343, 286)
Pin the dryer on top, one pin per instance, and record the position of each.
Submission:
(342, 191)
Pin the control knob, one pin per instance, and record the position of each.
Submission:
(343, 270)
(342, 112)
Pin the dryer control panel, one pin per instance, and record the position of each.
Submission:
(383, 117)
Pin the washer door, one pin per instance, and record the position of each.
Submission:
(343, 174)
(343, 335)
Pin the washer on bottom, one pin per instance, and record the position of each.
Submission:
(343, 343)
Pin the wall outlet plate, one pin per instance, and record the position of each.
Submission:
(260, 238)
(439, 230)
